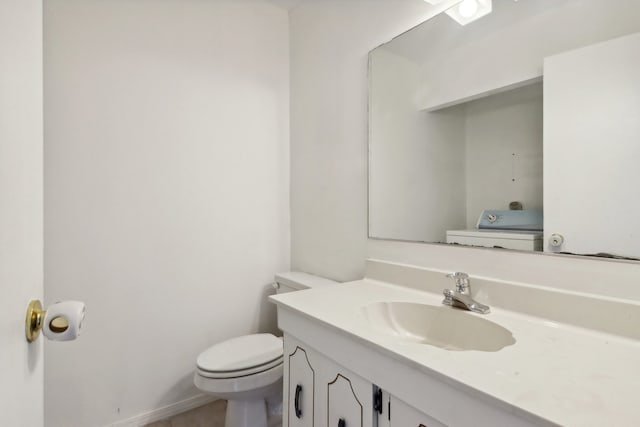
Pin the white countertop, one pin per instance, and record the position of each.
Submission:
(561, 373)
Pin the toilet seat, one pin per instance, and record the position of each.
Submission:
(241, 356)
(241, 372)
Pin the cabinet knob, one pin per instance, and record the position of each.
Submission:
(342, 422)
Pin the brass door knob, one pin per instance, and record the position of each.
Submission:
(35, 317)
(61, 322)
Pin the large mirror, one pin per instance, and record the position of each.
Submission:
(519, 130)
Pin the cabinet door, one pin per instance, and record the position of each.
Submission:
(346, 399)
(403, 415)
(591, 149)
(300, 389)
(344, 407)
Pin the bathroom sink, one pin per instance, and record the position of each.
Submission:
(445, 327)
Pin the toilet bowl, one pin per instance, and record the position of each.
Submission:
(247, 370)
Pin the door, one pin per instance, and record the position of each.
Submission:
(21, 381)
(591, 150)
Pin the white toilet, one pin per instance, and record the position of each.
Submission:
(247, 370)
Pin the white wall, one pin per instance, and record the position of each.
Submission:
(21, 373)
(329, 152)
(166, 195)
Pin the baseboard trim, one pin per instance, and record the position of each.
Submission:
(165, 412)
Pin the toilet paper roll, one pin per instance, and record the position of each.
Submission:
(63, 320)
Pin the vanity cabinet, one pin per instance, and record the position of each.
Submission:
(318, 392)
(542, 379)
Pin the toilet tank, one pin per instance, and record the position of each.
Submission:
(295, 281)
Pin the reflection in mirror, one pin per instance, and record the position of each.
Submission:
(518, 130)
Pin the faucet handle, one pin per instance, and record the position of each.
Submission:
(462, 281)
(448, 297)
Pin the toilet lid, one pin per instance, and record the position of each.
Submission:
(241, 353)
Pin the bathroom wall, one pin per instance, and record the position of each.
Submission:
(329, 155)
(21, 363)
(166, 193)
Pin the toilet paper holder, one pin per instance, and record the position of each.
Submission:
(62, 322)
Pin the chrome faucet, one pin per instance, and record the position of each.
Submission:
(461, 297)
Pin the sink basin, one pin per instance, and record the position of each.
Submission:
(445, 327)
